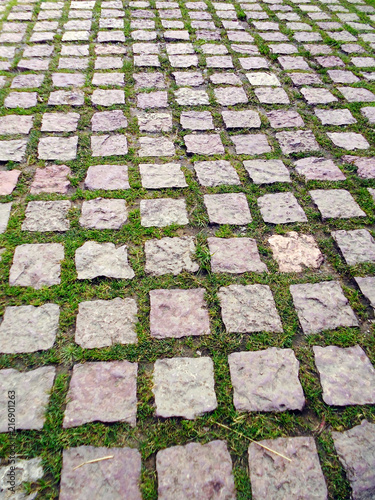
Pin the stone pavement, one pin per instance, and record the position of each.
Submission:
(187, 194)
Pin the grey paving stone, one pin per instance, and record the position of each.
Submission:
(32, 396)
(15, 124)
(36, 265)
(294, 252)
(155, 122)
(68, 79)
(249, 309)
(157, 99)
(227, 208)
(230, 96)
(27, 471)
(102, 323)
(184, 387)
(241, 119)
(322, 306)
(188, 78)
(356, 94)
(21, 100)
(251, 144)
(271, 95)
(107, 97)
(200, 472)
(118, 477)
(267, 171)
(170, 256)
(47, 216)
(335, 116)
(29, 328)
(280, 118)
(8, 181)
(109, 145)
(178, 313)
(156, 146)
(196, 120)
(183, 61)
(102, 391)
(216, 173)
(341, 76)
(163, 212)
(266, 380)
(52, 179)
(108, 177)
(346, 375)
(357, 246)
(336, 203)
(253, 62)
(348, 140)
(5, 209)
(57, 148)
(304, 78)
(369, 113)
(94, 259)
(107, 79)
(103, 213)
(157, 176)
(235, 256)
(60, 122)
(12, 150)
(356, 450)
(108, 121)
(66, 97)
(204, 144)
(191, 97)
(365, 166)
(281, 208)
(313, 168)
(274, 477)
(297, 141)
(29, 81)
(367, 287)
(317, 95)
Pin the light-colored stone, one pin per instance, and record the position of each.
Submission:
(15, 124)
(5, 209)
(241, 119)
(235, 255)
(156, 176)
(8, 181)
(21, 472)
(348, 140)
(13, 150)
(103, 213)
(336, 203)
(294, 252)
(57, 148)
(155, 122)
(204, 144)
(267, 171)
(320, 169)
(170, 256)
(228, 208)
(367, 287)
(53, 179)
(297, 141)
(47, 216)
(108, 177)
(357, 246)
(216, 173)
(156, 146)
(163, 212)
(109, 145)
(281, 208)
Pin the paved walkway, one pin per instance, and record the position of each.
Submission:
(187, 249)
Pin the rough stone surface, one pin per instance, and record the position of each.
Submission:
(251, 144)
(294, 252)
(348, 140)
(109, 145)
(57, 148)
(241, 119)
(5, 209)
(36, 265)
(108, 177)
(53, 179)
(367, 287)
(116, 478)
(13, 150)
(249, 309)
(235, 255)
(356, 246)
(280, 118)
(102, 259)
(319, 169)
(60, 122)
(170, 256)
(272, 476)
(163, 212)
(266, 380)
(297, 141)
(204, 144)
(103, 213)
(216, 173)
(156, 146)
(47, 216)
(156, 176)
(102, 391)
(322, 306)
(356, 450)
(102, 323)
(195, 471)
(8, 181)
(281, 208)
(108, 121)
(178, 313)
(155, 122)
(184, 387)
(32, 396)
(152, 100)
(267, 171)
(15, 124)
(26, 471)
(29, 328)
(335, 116)
(336, 203)
(191, 97)
(228, 208)
(196, 120)
(346, 375)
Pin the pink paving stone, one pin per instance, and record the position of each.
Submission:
(15, 124)
(204, 144)
(297, 141)
(227, 208)
(329, 61)
(152, 100)
(305, 78)
(102, 391)
(156, 176)
(293, 62)
(317, 96)
(348, 140)
(108, 121)
(241, 119)
(57, 148)
(109, 145)
(235, 256)
(103, 213)
(230, 96)
(251, 144)
(253, 62)
(294, 252)
(156, 146)
(267, 171)
(178, 313)
(117, 478)
(271, 95)
(109, 177)
(8, 181)
(195, 471)
(281, 118)
(53, 179)
(170, 256)
(335, 116)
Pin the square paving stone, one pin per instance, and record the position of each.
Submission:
(29, 328)
(8, 181)
(29, 81)
(294, 252)
(251, 144)
(102, 323)
(104, 392)
(356, 450)
(228, 208)
(369, 113)
(156, 146)
(281, 208)
(107, 79)
(267, 171)
(335, 116)
(155, 122)
(188, 78)
(356, 94)
(230, 96)
(348, 140)
(319, 169)
(12, 150)
(216, 173)
(271, 95)
(67, 98)
(116, 478)
(249, 309)
(52, 179)
(23, 100)
(266, 380)
(156, 176)
(356, 246)
(191, 97)
(293, 62)
(272, 476)
(60, 122)
(235, 256)
(152, 100)
(109, 145)
(107, 97)
(297, 141)
(195, 471)
(346, 375)
(304, 78)
(184, 387)
(170, 256)
(336, 203)
(108, 121)
(15, 124)
(341, 76)
(36, 265)
(219, 62)
(367, 287)
(253, 63)
(281, 118)
(31, 390)
(181, 61)
(322, 306)
(103, 213)
(241, 119)
(263, 79)
(94, 259)
(68, 79)
(178, 313)
(204, 144)
(317, 96)
(163, 212)
(57, 148)
(47, 216)
(365, 166)
(196, 120)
